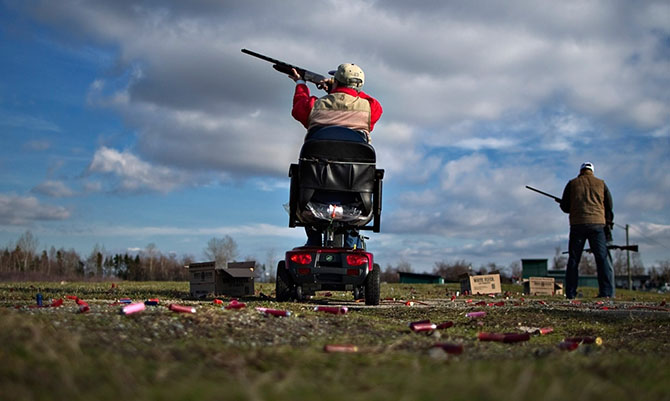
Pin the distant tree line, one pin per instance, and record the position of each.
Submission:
(452, 271)
(23, 260)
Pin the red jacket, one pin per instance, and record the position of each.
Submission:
(303, 104)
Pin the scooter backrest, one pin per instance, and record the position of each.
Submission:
(338, 144)
(338, 151)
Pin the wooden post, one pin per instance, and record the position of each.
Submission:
(630, 277)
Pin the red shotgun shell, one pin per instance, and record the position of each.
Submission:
(181, 308)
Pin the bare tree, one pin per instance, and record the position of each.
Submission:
(71, 262)
(52, 259)
(94, 261)
(660, 274)
(587, 265)
(27, 243)
(270, 263)
(452, 270)
(560, 260)
(221, 250)
(516, 270)
(390, 274)
(636, 265)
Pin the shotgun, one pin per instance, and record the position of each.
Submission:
(286, 68)
(556, 198)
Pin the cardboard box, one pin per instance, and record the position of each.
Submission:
(482, 284)
(558, 288)
(539, 286)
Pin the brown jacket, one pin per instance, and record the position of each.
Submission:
(588, 200)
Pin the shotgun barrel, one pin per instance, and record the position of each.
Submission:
(556, 198)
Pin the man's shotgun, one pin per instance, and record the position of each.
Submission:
(287, 69)
(556, 198)
(632, 248)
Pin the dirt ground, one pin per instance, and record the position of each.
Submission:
(367, 353)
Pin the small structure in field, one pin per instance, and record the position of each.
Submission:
(236, 279)
(419, 278)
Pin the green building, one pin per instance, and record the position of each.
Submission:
(420, 278)
(533, 268)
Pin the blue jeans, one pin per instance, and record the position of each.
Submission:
(595, 233)
(315, 238)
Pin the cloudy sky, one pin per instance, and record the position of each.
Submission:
(125, 123)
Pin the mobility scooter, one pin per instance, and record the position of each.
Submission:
(335, 191)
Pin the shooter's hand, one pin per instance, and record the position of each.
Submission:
(326, 84)
(294, 76)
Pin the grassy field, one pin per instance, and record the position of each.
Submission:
(56, 353)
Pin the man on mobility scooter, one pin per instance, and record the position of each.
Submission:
(335, 190)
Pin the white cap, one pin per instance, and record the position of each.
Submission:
(588, 165)
(350, 75)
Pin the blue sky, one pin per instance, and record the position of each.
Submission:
(125, 123)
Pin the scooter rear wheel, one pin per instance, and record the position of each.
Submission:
(283, 284)
(372, 286)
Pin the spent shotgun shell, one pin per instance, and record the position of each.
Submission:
(234, 304)
(181, 308)
(546, 330)
(418, 322)
(484, 336)
(568, 346)
(274, 312)
(504, 337)
(475, 314)
(585, 340)
(418, 327)
(133, 308)
(335, 310)
(516, 337)
(340, 348)
(445, 325)
(449, 348)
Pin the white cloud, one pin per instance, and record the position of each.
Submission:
(54, 189)
(259, 229)
(92, 186)
(485, 143)
(27, 122)
(663, 132)
(455, 171)
(134, 174)
(185, 83)
(20, 210)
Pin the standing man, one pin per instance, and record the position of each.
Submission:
(345, 105)
(589, 203)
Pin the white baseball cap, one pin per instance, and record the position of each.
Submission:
(588, 165)
(349, 75)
